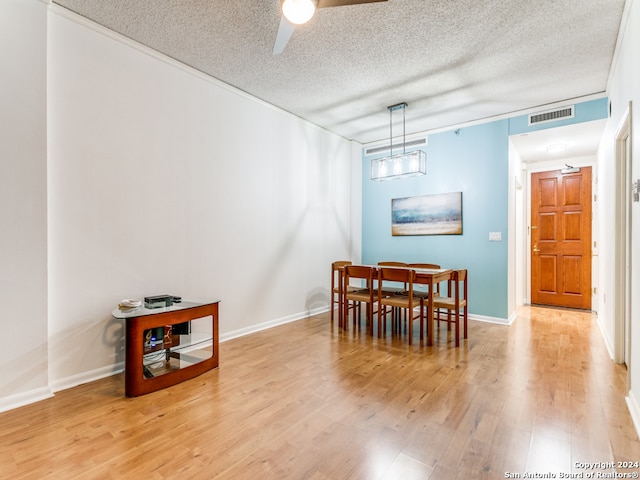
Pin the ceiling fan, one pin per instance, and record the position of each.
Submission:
(297, 12)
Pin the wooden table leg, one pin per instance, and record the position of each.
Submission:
(430, 316)
(340, 300)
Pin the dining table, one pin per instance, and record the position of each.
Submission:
(424, 276)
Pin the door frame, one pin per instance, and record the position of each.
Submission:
(558, 164)
(622, 302)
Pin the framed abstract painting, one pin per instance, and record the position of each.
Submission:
(439, 214)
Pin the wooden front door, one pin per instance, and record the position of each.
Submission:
(561, 238)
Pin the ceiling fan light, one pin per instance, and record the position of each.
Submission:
(298, 11)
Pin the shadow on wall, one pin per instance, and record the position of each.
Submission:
(317, 299)
(114, 336)
(77, 348)
(17, 364)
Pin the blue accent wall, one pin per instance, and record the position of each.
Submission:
(474, 161)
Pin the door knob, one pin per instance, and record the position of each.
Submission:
(536, 249)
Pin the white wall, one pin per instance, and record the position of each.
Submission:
(624, 87)
(162, 180)
(151, 178)
(23, 237)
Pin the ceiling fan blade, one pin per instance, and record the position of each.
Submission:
(285, 30)
(342, 3)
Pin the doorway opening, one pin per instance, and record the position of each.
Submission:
(530, 153)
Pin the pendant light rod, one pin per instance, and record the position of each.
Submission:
(393, 108)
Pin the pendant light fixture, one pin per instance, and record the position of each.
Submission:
(403, 165)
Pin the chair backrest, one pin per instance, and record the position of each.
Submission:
(426, 266)
(360, 272)
(401, 275)
(336, 267)
(392, 264)
(395, 264)
(458, 277)
(461, 276)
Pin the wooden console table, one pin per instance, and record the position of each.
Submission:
(159, 354)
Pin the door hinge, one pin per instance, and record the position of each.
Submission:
(595, 290)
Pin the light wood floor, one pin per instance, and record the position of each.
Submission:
(305, 401)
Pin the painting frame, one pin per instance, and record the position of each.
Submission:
(434, 214)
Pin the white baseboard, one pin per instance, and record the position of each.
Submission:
(271, 323)
(299, 316)
(499, 321)
(86, 377)
(22, 399)
(605, 337)
(634, 410)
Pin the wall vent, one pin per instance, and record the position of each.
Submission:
(397, 147)
(551, 115)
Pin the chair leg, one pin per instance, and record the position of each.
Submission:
(382, 320)
(343, 320)
(333, 304)
(457, 330)
(464, 312)
(346, 306)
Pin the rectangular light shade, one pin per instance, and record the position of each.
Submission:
(399, 166)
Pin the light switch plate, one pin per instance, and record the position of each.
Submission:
(495, 236)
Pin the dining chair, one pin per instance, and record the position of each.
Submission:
(454, 303)
(337, 271)
(422, 291)
(365, 293)
(395, 288)
(395, 302)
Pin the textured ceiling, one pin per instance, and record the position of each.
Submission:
(452, 61)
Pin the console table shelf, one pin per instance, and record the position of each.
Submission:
(157, 355)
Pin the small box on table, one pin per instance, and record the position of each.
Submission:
(158, 301)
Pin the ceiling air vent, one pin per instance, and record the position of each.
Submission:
(551, 115)
(397, 147)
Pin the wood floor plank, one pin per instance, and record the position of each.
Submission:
(308, 401)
